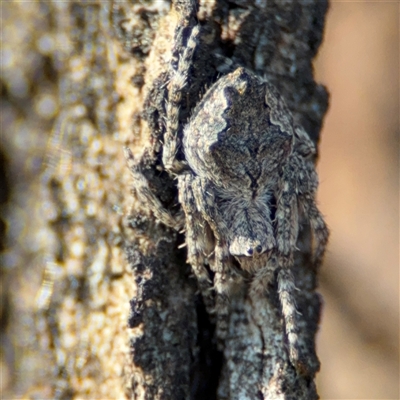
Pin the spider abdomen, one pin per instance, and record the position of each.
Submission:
(234, 136)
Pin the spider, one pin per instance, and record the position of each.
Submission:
(246, 179)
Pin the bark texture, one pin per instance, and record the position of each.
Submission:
(99, 301)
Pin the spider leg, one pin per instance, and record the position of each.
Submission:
(225, 278)
(205, 197)
(199, 243)
(318, 226)
(286, 236)
(178, 81)
(145, 194)
(307, 188)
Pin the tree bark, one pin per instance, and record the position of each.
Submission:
(99, 301)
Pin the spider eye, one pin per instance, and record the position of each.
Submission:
(258, 249)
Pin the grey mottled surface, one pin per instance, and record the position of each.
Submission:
(82, 321)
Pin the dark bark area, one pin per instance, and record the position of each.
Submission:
(99, 301)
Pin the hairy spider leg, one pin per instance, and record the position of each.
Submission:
(307, 189)
(147, 196)
(199, 244)
(177, 84)
(318, 227)
(286, 237)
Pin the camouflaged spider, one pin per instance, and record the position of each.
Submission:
(246, 180)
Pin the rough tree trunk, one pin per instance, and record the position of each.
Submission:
(99, 301)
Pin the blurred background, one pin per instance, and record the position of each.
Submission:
(358, 343)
